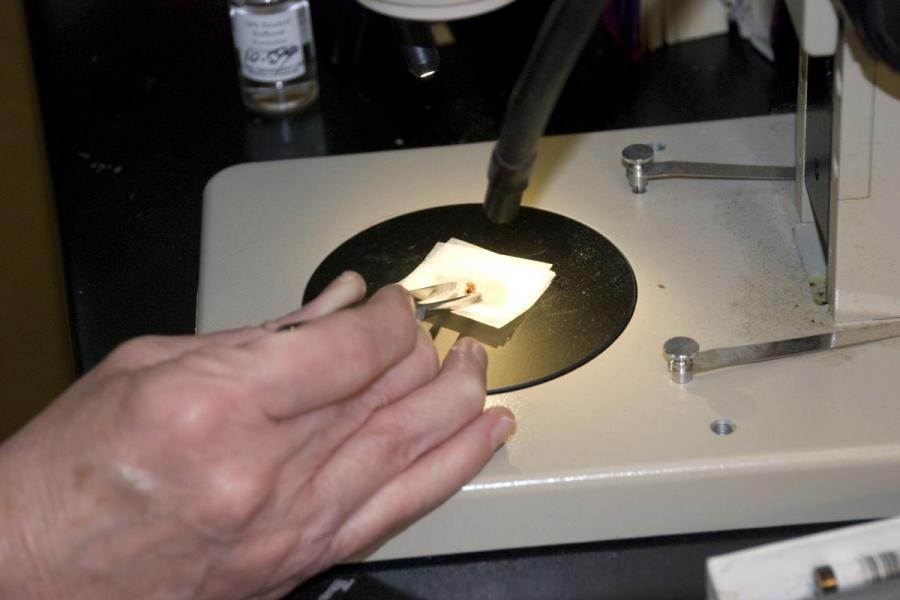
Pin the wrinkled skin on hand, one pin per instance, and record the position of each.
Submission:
(238, 464)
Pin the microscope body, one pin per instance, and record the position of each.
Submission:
(614, 448)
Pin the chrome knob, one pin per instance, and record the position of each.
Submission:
(680, 353)
(634, 157)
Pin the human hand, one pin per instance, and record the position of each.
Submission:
(238, 464)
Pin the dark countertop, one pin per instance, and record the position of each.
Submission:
(141, 108)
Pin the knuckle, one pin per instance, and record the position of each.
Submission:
(469, 390)
(394, 438)
(363, 352)
(396, 295)
(399, 311)
(191, 399)
(133, 350)
(376, 396)
(235, 495)
(195, 419)
(185, 413)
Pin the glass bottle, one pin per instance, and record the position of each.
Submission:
(276, 54)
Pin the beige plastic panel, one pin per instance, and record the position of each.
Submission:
(865, 248)
(613, 449)
(816, 24)
(854, 101)
(673, 21)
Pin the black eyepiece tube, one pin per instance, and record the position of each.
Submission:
(563, 34)
(417, 46)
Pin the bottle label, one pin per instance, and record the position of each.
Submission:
(270, 47)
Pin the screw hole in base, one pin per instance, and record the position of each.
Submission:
(723, 426)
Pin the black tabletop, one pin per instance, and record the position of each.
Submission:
(141, 108)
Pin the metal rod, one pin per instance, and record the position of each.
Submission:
(640, 168)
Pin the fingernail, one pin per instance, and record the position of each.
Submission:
(502, 430)
(338, 285)
(348, 278)
(474, 347)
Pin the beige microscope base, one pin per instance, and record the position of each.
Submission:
(613, 449)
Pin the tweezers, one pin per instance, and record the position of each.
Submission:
(449, 295)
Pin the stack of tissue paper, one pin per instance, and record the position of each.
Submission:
(508, 285)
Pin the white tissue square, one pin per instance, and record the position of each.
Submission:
(509, 285)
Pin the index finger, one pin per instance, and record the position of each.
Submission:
(332, 357)
(146, 351)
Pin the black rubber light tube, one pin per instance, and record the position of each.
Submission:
(562, 36)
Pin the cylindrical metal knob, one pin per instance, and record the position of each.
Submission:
(637, 154)
(680, 353)
(634, 157)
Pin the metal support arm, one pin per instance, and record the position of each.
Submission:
(683, 356)
(640, 168)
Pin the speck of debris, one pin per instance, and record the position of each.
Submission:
(101, 167)
(660, 286)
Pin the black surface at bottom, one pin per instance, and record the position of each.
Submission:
(585, 309)
(664, 568)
